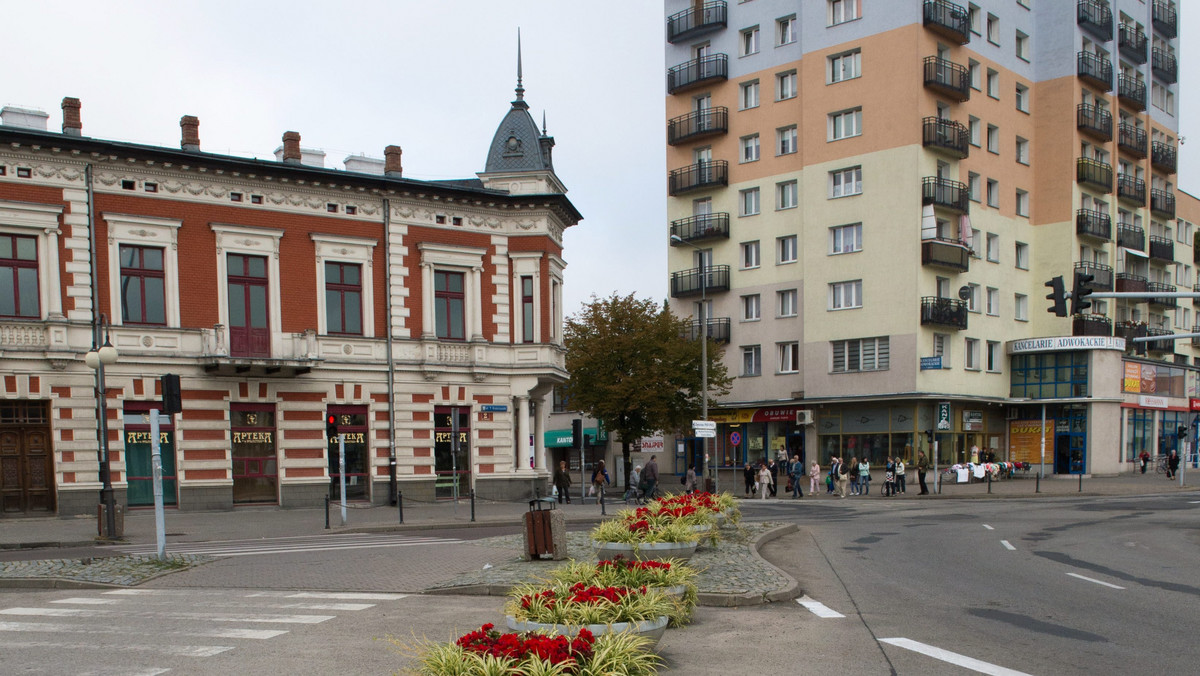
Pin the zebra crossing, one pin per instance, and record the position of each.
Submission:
(156, 631)
(290, 545)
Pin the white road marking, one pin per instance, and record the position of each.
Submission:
(1194, 502)
(953, 658)
(288, 545)
(347, 596)
(55, 628)
(213, 617)
(817, 608)
(1007, 546)
(988, 527)
(87, 602)
(177, 650)
(1092, 579)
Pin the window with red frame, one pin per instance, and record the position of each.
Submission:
(343, 298)
(449, 303)
(19, 277)
(143, 285)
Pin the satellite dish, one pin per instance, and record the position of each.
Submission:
(964, 293)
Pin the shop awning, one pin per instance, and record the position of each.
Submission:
(562, 438)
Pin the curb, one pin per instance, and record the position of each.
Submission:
(53, 583)
(791, 591)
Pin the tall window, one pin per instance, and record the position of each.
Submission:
(993, 84)
(993, 29)
(1020, 307)
(1022, 251)
(787, 193)
(845, 238)
(860, 354)
(249, 335)
(750, 148)
(845, 182)
(749, 205)
(343, 298)
(845, 124)
(993, 139)
(1022, 98)
(785, 85)
(751, 309)
(143, 299)
(1022, 150)
(449, 301)
(993, 301)
(786, 302)
(972, 352)
(973, 186)
(527, 309)
(752, 360)
(749, 255)
(19, 292)
(1022, 46)
(789, 357)
(750, 41)
(973, 126)
(787, 249)
(841, 11)
(787, 140)
(749, 95)
(993, 193)
(993, 247)
(785, 30)
(845, 295)
(1022, 203)
(846, 66)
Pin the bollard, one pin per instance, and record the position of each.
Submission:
(472, 504)
(400, 502)
(1038, 486)
(989, 483)
(1081, 483)
(326, 512)
(602, 512)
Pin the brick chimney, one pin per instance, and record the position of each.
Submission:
(391, 162)
(72, 125)
(291, 147)
(189, 126)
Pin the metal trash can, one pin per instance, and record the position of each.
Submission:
(545, 531)
(118, 520)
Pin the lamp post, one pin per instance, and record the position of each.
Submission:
(703, 348)
(96, 359)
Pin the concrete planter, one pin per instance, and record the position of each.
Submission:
(648, 551)
(651, 629)
(675, 592)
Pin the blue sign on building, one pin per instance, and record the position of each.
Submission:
(930, 363)
(493, 408)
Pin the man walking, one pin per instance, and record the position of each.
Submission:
(650, 477)
(922, 467)
(797, 473)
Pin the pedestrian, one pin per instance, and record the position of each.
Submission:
(748, 475)
(1172, 464)
(689, 479)
(1144, 456)
(900, 469)
(562, 482)
(773, 468)
(814, 475)
(922, 467)
(843, 478)
(600, 478)
(650, 478)
(797, 474)
(635, 485)
(889, 477)
(831, 478)
(864, 476)
(765, 482)
(853, 474)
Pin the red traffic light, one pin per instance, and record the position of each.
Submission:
(331, 419)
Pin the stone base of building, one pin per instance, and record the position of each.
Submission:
(205, 498)
(73, 504)
(303, 496)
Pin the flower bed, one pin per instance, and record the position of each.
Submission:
(630, 529)
(581, 603)
(705, 504)
(673, 577)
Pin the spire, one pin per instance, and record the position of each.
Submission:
(520, 87)
(543, 123)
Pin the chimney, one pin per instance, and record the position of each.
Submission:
(291, 147)
(391, 162)
(72, 125)
(190, 128)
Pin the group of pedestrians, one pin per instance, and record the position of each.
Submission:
(762, 478)
(853, 477)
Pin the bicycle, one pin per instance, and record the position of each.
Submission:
(1160, 464)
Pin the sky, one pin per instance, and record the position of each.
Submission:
(432, 76)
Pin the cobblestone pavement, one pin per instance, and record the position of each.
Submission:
(111, 570)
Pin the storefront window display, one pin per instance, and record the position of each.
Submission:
(1139, 433)
(873, 433)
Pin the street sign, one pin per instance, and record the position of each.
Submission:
(735, 439)
(704, 424)
(943, 416)
(706, 434)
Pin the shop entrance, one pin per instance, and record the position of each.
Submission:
(26, 460)
(139, 466)
(1070, 440)
(352, 424)
(452, 450)
(255, 466)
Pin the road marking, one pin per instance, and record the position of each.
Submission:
(1008, 546)
(175, 650)
(212, 617)
(819, 609)
(286, 545)
(340, 596)
(87, 602)
(988, 527)
(1194, 502)
(1092, 579)
(55, 628)
(953, 658)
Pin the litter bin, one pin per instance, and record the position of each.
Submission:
(545, 531)
(118, 521)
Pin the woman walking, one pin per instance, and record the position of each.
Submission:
(854, 476)
(600, 478)
(814, 475)
(562, 482)
(864, 476)
(764, 481)
(689, 484)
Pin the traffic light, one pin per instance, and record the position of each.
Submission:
(331, 427)
(1058, 296)
(1182, 432)
(1080, 291)
(577, 433)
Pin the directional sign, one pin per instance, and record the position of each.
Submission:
(704, 424)
(706, 434)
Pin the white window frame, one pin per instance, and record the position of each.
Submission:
(785, 86)
(785, 30)
(1022, 97)
(993, 139)
(879, 349)
(786, 140)
(1020, 307)
(974, 137)
(993, 84)
(973, 186)
(469, 262)
(786, 250)
(748, 41)
(145, 231)
(845, 124)
(843, 11)
(845, 295)
(992, 301)
(845, 182)
(751, 255)
(787, 195)
(361, 251)
(844, 66)
(993, 193)
(754, 366)
(993, 29)
(786, 303)
(1021, 251)
(252, 241)
(1022, 150)
(993, 247)
(840, 244)
(748, 95)
(1021, 46)
(971, 354)
(749, 202)
(1022, 203)
(750, 148)
(751, 308)
(789, 357)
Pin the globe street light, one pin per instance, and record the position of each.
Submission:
(96, 359)
(676, 239)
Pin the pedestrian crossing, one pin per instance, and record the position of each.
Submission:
(290, 545)
(157, 631)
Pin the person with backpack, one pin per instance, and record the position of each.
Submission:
(600, 478)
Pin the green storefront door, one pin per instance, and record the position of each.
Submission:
(138, 467)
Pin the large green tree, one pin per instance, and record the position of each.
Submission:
(634, 368)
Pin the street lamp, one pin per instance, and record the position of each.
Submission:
(96, 359)
(676, 239)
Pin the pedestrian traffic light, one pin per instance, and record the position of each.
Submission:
(1058, 296)
(331, 427)
(577, 433)
(1080, 291)
(1182, 432)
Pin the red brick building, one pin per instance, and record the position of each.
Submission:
(424, 315)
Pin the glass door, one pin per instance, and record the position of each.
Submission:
(248, 332)
(452, 450)
(139, 467)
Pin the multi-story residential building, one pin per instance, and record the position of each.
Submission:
(423, 315)
(868, 197)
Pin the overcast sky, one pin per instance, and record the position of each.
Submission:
(432, 76)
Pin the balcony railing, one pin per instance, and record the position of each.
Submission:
(948, 20)
(1164, 66)
(697, 71)
(1127, 281)
(942, 192)
(1132, 189)
(950, 254)
(1196, 299)
(1129, 331)
(1162, 248)
(1131, 237)
(1094, 173)
(1132, 140)
(1095, 121)
(698, 124)
(947, 78)
(946, 135)
(718, 329)
(1097, 71)
(1163, 18)
(692, 282)
(1095, 17)
(1091, 325)
(1162, 156)
(1131, 40)
(704, 226)
(1094, 224)
(1102, 275)
(697, 176)
(950, 312)
(1164, 345)
(696, 21)
(1163, 203)
(1132, 91)
(1195, 339)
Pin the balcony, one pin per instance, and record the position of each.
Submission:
(948, 254)
(1095, 17)
(1096, 71)
(1195, 339)
(1132, 91)
(696, 72)
(1164, 67)
(1094, 224)
(1162, 249)
(1129, 331)
(1196, 299)
(947, 312)
(1162, 203)
(1091, 325)
(1132, 140)
(696, 21)
(1127, 281)
(718, 329)
(692, 282)
(697, 125)
(1131, 237)
(948, 20)
(1162, 157)
(697, 228)
(1131, 41)
(944, 193)
(1094, 174)
(948, 136)
(947, 78)
(1131, 189)
(1102, 275)
(1095, 121)
(1164, 20)
(1164, 345)
(697, 176)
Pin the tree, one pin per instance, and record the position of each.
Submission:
(634, 369)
